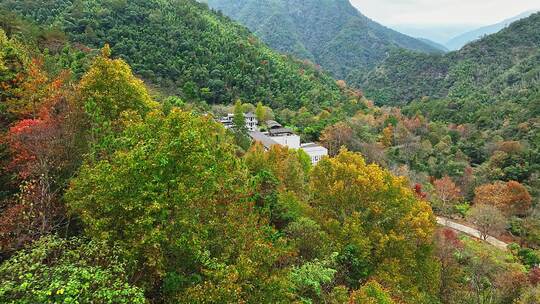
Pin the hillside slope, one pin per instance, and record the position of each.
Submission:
(331, 33)
(505, 65)
(183, 47)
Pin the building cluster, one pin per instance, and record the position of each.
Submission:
(277, 135)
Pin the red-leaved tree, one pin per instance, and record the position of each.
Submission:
(42, 156)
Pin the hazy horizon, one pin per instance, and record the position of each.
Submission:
(443, 12)
(441, 20)
(437, 33)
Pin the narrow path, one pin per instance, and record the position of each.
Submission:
(470, 231)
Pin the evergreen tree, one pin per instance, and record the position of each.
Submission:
(239, 119)
(239, 127)
(260, 112)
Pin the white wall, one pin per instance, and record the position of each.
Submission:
(316, 153)
(292, 141)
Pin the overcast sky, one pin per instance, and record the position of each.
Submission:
(443, 12)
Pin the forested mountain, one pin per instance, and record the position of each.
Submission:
(459, 41)
(332, 33)
(114, 193)
(503, 66)
(490, 87)
(183, 47)
(116, 198)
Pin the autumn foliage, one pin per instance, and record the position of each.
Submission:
(512, 198)
(336, 136)
(446, 192)
(40, 145)
(107, 194)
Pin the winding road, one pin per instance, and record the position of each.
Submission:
(470, 231)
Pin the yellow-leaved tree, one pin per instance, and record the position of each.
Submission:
(106, 92)
(382, 230)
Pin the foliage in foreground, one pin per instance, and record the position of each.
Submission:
(55, 270)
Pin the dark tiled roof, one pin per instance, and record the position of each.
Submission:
(250, 115)
(272, 124)
(278, 131)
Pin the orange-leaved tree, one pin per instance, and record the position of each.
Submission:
(446, 192)
(512, 198)
(335, 136)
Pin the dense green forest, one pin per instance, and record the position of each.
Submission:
(119, 190)
(486, 97)
(182, 47)
(503, 66)
(331, 33)
(201, 57)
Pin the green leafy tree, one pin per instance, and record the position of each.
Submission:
(312, 242)
(239, 120)
(164, 167)
(260, 112)
(308, 280)
(14, 61)
(291, 167)
(239, 126)
(108, 89)
(371, 293)
(111, 85)
(171, 197)
(55, 270)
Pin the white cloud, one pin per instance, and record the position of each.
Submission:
(448, 12)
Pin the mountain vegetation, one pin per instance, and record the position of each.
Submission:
(490, 86)
(331, 33)
(118, 186)
(182, 47)
(469, 121)
(502, 66)
(434, 44)
(163, 209)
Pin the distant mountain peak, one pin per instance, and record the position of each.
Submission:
(459, 41)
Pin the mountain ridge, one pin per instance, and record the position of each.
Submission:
(487, 67)
(332, 33)
(434, 44)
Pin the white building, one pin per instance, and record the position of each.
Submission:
(277, 135)
(286, 137)
(315, 152)
(252, 124)
(282, 136)
(264, 139)
(251, 121)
